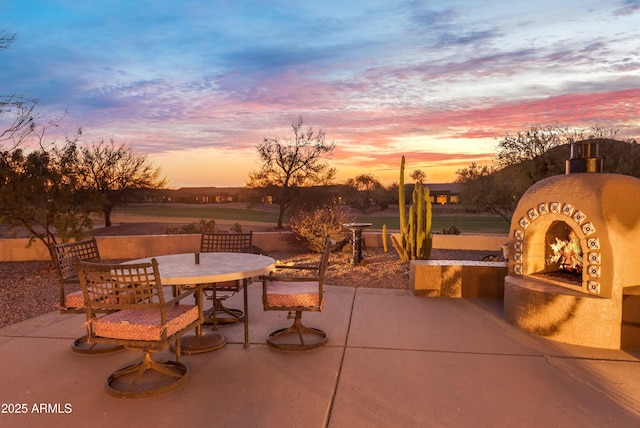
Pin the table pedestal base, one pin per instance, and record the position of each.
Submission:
(356, 240)
(196, 344)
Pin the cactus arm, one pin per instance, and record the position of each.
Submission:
(401, 202)
(400, 249)
(420, 220)
(428, 214)
(384, 238)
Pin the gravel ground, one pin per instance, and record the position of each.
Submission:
(30, 289)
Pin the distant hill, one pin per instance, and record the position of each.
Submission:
(499, 192)
(619, 157)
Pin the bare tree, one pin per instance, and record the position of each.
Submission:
(495, 192)
(22, 109)
(418, 176)
(40, 193)
(289, 164)
(363, 191)
(39, 188)
(522, 159)
(115, 172)
(23, 122)
(6, 39)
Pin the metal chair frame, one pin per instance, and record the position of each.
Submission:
(64, 257)
(130, 288)
(211, 242)
(297, 329)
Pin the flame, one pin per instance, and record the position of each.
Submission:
(568, 253)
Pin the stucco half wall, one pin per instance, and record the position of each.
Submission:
(117, 247)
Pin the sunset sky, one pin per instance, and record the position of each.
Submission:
(198, 84)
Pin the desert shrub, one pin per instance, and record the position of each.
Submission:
(452, 230)
(236, 227)
(312, 225)
(191, 228)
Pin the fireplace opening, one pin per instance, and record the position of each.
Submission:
(563, 254)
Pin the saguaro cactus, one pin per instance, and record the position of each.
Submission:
(415, 232)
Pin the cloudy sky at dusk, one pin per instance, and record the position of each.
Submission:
(198, 84)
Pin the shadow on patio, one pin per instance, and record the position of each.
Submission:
(392, 360)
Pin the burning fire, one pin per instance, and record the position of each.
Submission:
(568, 253)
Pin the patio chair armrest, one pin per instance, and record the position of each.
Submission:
(184, 292)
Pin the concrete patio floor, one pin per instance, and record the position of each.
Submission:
(392, 360)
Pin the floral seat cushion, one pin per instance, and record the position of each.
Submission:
(74, 300)
(144, 324)
(293, 294)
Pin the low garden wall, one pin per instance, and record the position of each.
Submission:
(457, 278)
(138, 246)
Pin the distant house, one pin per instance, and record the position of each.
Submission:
(444, 193)
(201, 195)
(440, 193)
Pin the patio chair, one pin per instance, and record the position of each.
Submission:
(64, 257)
(139, 319)
(297, 294)
(211, 242)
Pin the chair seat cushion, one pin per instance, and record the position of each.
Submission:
(144, 324)
(292, 294)
(74, 300)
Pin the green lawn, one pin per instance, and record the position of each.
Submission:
(466, 224)
(215, 212)
(235, 212)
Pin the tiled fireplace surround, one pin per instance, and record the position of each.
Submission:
(603, 309)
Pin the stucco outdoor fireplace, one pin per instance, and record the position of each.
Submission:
(574, 270)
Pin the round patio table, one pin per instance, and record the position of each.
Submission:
(205, 268)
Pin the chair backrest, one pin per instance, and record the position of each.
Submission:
(212, 242)
(65, 255)
(324, 259)
(112, 287)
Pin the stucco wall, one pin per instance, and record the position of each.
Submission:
(457, 278)
(116, 247)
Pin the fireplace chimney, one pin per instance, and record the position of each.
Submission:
(584, 157)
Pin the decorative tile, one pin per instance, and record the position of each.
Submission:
(593, 287)
(518, 234)
(555, 207)
(567, 209)
(594, 258)
(517, 257)
(524, 223)
(543, 208)
(517, 246)
(594, 271)
(532, 213)
(517, 269)
(588, 229)
(579, 217)
(593, 243)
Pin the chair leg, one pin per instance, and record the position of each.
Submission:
(234, 315)
(146, 378)
(82, 346)
(220, 314)
(299, 331)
